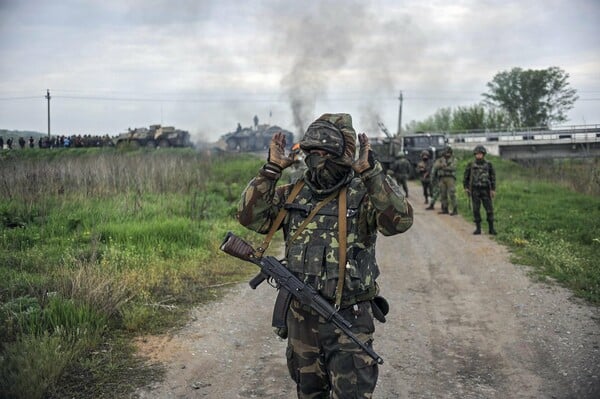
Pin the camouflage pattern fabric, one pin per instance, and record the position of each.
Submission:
(447, 183)
(324, 362)
(479, 178)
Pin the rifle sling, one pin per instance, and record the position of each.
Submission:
(342, 238)
(277, 222)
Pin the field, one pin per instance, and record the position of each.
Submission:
(99, 246)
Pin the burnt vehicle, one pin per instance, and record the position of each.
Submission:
(154, 136)
(411, 145)
(257, 138)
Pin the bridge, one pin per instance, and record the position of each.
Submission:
(582, 141)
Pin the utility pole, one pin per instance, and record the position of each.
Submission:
(400, 115)
(48, 98)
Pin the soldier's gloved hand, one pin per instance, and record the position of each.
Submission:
(365, 160)
(277, 155)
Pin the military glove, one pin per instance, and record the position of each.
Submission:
(277, 155)
(365, 160)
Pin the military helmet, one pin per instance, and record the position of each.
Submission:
(448, 150)
(424, 154)
(332, 133)
(480, 149)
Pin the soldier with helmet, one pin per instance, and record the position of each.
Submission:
(424, 171)
(330, 219)
(400, 170)
(479, 183)
(447, 182)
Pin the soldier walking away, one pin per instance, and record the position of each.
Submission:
(424, 171)
(447, 182)
(435, 182)
(330, 219)
(479, 183)
(401, 170)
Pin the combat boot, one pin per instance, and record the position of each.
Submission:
(477, 229)
(492, 231)
(430, 207)
(454, 212)
(444, 210)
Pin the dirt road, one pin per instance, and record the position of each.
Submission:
(464, 323)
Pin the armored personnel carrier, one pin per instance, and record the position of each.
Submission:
(248, 139)
(154, 136)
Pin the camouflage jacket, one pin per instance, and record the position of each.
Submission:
(447, 168)
(424, 170)
(374, 203)
(480, 175)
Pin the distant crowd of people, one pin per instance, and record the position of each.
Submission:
(74, 141)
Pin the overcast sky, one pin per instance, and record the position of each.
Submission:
(204, 66)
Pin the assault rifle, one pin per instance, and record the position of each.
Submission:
(272, 269)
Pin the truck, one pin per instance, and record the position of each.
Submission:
(154, 136)
(411, 145)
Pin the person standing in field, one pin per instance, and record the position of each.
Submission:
(330, 221)
(479, 182)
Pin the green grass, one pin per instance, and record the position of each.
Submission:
(547, 224)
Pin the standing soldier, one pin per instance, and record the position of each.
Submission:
(424, 170)
(480, 184)
(330, 219)
(401, 170)
(447, 175)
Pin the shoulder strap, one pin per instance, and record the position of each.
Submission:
(342, 238)
(277, 222)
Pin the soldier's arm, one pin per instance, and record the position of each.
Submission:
(391, 212)
(492, 173)
(261, 200)
(467, 176)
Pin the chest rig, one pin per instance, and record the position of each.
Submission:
(318, 229)
(480, 175)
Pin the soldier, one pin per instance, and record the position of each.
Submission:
(401, 170)
(447, 182)
(435, 182)
(479, 183)
(336, 256)
(424, 170)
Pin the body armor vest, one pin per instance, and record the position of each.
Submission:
(480, 175)
(314, 255)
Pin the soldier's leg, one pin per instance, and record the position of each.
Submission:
(476, 202)
(305, 362)
(444, 194)
(489, 210)
(404, 185)
(425, 190)
(353, 373)
(452, 196)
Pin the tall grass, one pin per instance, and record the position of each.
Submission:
(94, 242)
(546, 222)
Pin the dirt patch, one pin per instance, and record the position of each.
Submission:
(464, 323)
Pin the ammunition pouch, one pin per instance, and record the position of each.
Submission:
(380, 307)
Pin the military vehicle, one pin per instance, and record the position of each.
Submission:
(411, 145)
(247, 139)
(154, 136)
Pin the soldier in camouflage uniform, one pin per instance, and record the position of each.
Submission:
(424, 171)
(479, 183)
(447, 183)
(435, 182)
(400, 169)
(322, 361)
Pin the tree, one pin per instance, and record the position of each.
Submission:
(531, 97)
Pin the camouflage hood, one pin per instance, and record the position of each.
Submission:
(333, 133)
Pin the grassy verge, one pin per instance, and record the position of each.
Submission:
(98, 246)
(546, 223)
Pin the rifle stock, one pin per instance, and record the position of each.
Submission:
(272, 269)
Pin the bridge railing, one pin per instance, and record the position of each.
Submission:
(575, 133)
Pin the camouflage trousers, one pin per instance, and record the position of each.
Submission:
(435, 192)
(448, 192)
(323, 361)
